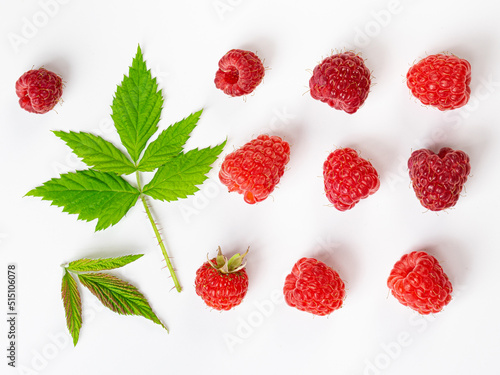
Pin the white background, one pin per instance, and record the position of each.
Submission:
(92, 43)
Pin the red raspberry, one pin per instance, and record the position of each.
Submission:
(348, 178)
(39, 90)
(255, 169)
(439, 178)
(222, 283)
(441, 81)
(342, 81)
(314, 287)
(240, 72)
(418, 281)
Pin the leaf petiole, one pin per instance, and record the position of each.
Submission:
(157, 234)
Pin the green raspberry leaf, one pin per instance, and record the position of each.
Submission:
(137, 107)
(90, 194)
(181, 175)
(89, 265)
(118, 295)
(169, 143)
(97, 152)
(72, 305)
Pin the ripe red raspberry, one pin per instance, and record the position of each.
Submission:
(222, 283)
(419, 282)
(314, 287)
(240, 72)
(256, 168)
(39, 90)
(342, 81)
(439, 178)
(441, 81)
(348, 178)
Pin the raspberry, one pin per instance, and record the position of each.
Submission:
(439, 178)
(255, 169)
(39, 90)
(314, 287)
(222, 283)
(441, 81)
(348, 178)
(240, 72)
(342, 81)
(419, 282)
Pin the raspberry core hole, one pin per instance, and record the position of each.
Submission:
(232, 76)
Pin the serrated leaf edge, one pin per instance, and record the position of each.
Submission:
(190, 122)
(103, 221)
(125, 164)
(116, 302)
(135, 145)
(69, 292)
(156, 182)
(101, 264)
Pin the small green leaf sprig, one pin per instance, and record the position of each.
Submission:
(101, 192)
(114, 293)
